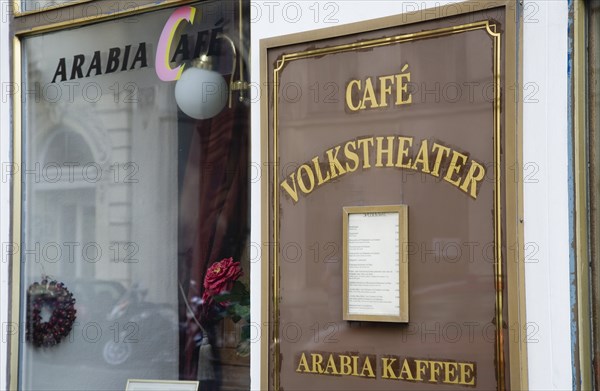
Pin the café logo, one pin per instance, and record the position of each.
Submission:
(135, 56)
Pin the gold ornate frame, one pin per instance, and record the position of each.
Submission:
(512, 148)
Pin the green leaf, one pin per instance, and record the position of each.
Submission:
(245, 332)
(239, 289)
(243, 311)
(222, 297)
(243, 348)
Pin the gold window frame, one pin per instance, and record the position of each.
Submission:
(586, 217)
(26, 25)
(17, 5)
(38, 22)
(512, 190)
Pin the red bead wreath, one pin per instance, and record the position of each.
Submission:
(57, 298)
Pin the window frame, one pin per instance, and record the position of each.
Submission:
(584, 232)
(17, 6)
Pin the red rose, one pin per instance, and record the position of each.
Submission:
(220, 278)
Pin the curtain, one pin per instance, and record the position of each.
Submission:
(213, 213)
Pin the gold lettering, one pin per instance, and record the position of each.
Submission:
(354, 365)
(367, 367)
(330, 365)
(345, 365)
(311, 179)
(293, 192)
(319, 173)
(349, 102)
(389, 151)
(384, 89)
(421, 368)
(363, 143)
(422, 158)
(405, 371)
(403, 151)
(303, 365)
(455, 167)
(334, 163)
(351, 155)
(438, 158)
(466, 374)
(434, 371)
(388, 371)
(369, 95)
(402, 81)
(450, 372)
(389, 85)
(317, 360)
(446, 372)
(476, 174)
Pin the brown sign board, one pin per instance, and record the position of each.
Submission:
(416, 113)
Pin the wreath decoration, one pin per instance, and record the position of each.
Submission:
(57, 298)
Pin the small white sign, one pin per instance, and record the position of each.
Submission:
(161, 385)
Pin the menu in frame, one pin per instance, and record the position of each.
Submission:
(375, 263)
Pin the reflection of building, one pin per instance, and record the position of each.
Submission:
(71, 208)
(94, 170)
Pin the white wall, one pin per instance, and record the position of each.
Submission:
(546, 194)
(545, 149)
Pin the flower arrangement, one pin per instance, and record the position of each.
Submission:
(225, 296)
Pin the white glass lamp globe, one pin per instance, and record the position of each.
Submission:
(201, 93)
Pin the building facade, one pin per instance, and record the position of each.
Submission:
(111, 188)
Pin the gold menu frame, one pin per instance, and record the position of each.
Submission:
(508, 218)
(402, 212)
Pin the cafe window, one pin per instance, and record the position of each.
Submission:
(134, 240)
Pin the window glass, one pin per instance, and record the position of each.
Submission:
(135, 220)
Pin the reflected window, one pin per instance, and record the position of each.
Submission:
(68, 147)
